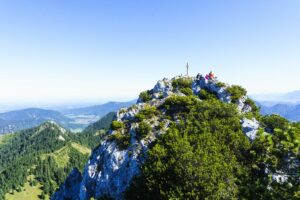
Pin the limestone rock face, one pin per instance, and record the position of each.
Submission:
(163, 86)
(110, 169)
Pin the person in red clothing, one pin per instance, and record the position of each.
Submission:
(211, 75)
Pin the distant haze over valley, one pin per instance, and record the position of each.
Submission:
(75, 119)
(289, 98)
(284, 104)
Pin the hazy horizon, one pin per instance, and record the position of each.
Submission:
(75, 103)
(53, 52)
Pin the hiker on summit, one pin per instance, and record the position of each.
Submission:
(206, 77)
(211, 75)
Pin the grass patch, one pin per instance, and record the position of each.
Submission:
(27, 192)
(5, 138)
(62, 157)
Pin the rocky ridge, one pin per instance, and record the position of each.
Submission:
(111, 168)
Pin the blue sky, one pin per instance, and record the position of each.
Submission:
(55, 51)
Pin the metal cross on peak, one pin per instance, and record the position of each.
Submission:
(187, 69)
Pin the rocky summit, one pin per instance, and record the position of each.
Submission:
(118, 159)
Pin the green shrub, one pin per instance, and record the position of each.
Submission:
(161, 125)
(255, 110)
(161, 96)
(117, 125)
(220, 84)
(236, 92)
(178, 104)
(147, 113)
(207, 156)
(182, 82)
(139, 117)
(122, 140)
(207, 95)
(187, 91)
(272, 122)
(145, 96)
(143, 130)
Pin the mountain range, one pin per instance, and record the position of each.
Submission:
(289, 111)
(285, 104)
(73, 119)
(17, 120)
(97, 110)
(279, 98)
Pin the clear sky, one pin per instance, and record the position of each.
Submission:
(76, 50)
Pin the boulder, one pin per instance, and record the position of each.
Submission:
(250, 127)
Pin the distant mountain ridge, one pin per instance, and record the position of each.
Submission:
(286, 105)
(291, 112)
(99, 110)
(21, 119)
(284, 98)
(74, 119)
(291, 97)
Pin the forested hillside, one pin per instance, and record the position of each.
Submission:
(34, 162)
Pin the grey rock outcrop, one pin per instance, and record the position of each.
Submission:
(250, 127)
(109, 171)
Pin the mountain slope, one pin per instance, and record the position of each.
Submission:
(103, 123)
(47, 153)
(17, 120)
(191, 138)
